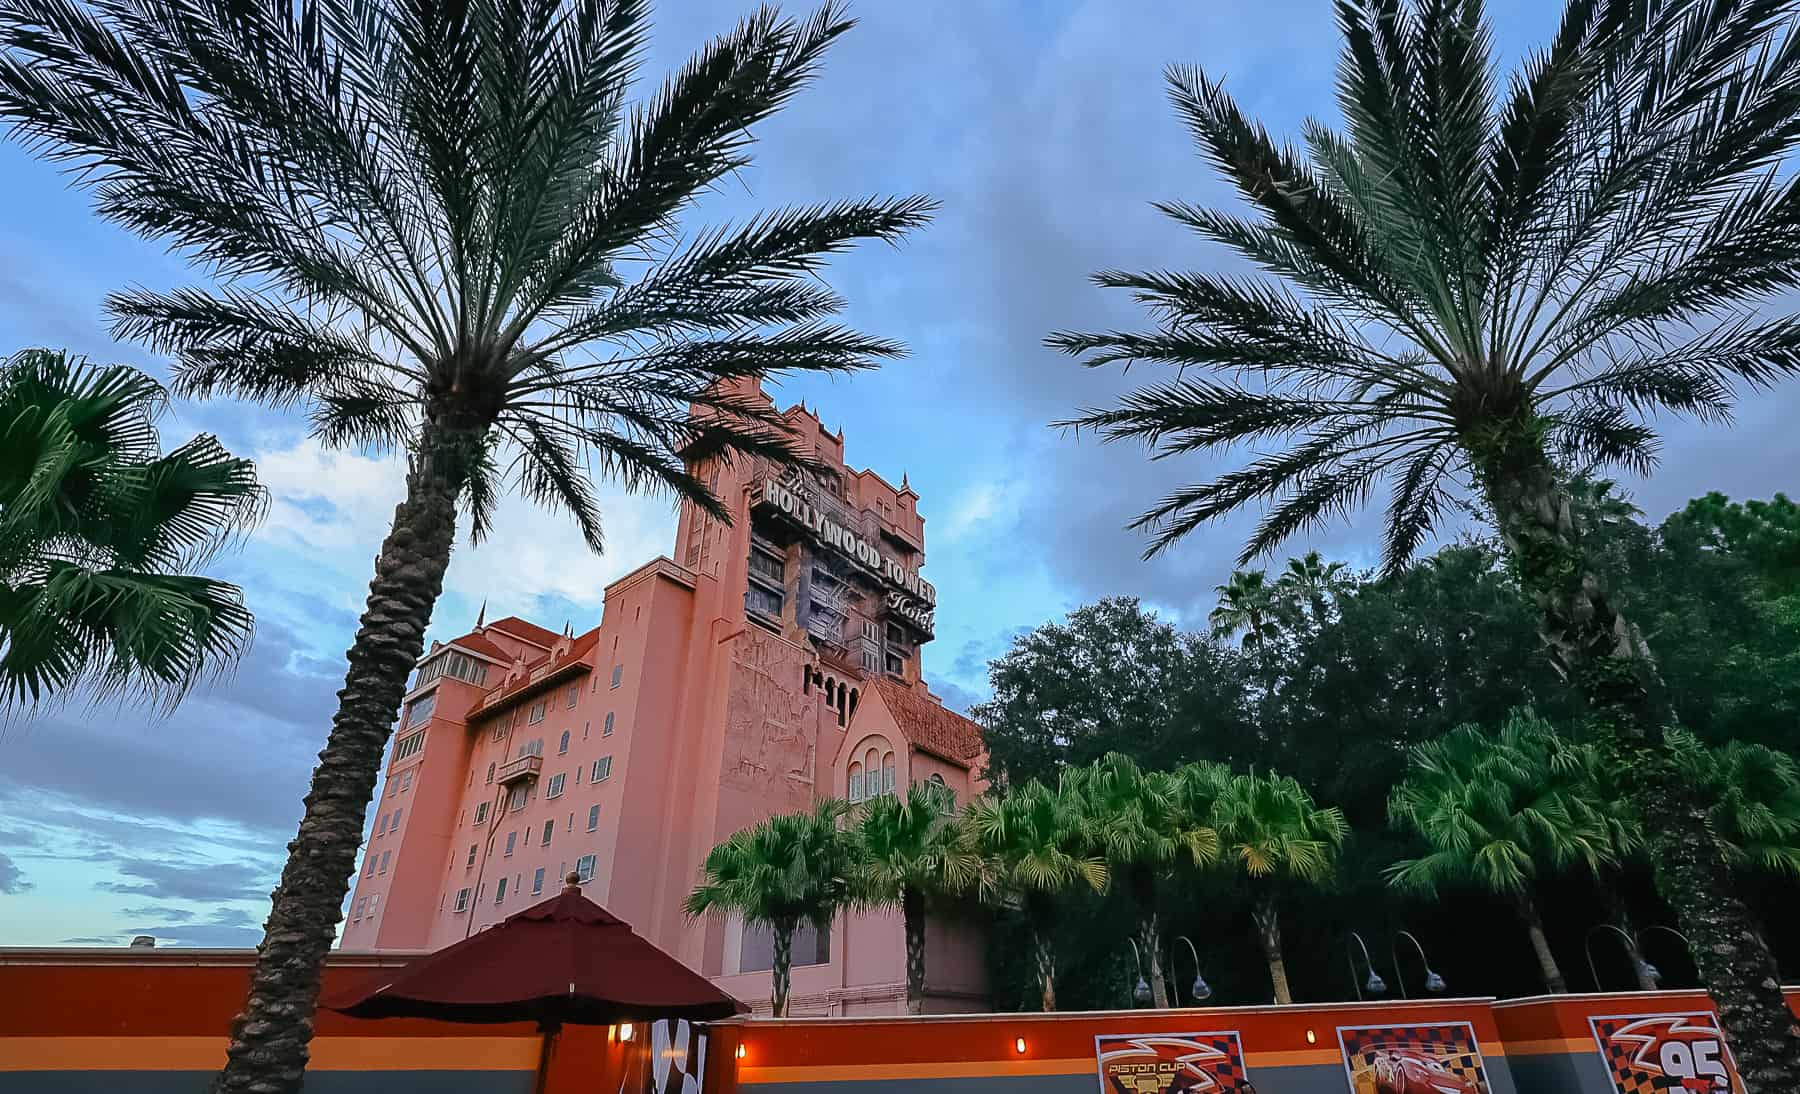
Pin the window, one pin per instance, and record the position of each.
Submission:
(515, 800)
(856, 783)
(395, 825)
(462, 901)
(500, 890)
(584, 868)
(768, 563)
(409, 746)
(420, 710)
(602, 769)
(490, 774)
(500, 728)
(374, 902)
(887, 774)
(562, 746)
(512, 838)
(555, 789)
(358, 912)
(549, 830)
(471, 861)
(454, 664)
(898, 650)
(406, 778)
(481, 814)
(870, 660)
(386, 857)
(537, 712)
(593, 817)
(618, 672)
(760, 601)
(574, 694)
(537, 881)
(381, 826)
(946, 796)
(606, 730)
(757, 953)
(369, 864)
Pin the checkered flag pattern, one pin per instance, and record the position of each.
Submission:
(1229, 1072)
(1626, 1077)
(1452, 1046)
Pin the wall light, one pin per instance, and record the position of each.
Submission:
(740, 1051)
(625, 1031)
(1019, 1046)
(1311, 1037)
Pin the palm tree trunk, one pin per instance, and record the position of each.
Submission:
(912, 913)
(268, 1049)
(1604, 656)
(1268, 932)
(1554, 980)
(1150, 941)
(1046, 966)
(780, 970)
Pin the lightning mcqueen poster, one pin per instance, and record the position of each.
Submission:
(1645, 1053)
(1172, 1063)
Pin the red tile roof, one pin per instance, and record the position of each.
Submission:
(539, 674)
(475, 643)
(931, 726)
(529, 631)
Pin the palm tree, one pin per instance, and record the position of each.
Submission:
(1039, 852)
(1754, 792)
(443, 230)
(1316, 582)
(912, 852)
(1140, 828)
(1246, 606)
(1469, 284)
(1495, 810)
(99, 533)
(1269, 828)
(790, 869)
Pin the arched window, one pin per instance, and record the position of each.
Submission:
(562, 746)
(853, 697)
(856, 782)
(887, 773)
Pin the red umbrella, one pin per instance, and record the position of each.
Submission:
(564, 961)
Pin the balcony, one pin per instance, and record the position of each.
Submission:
(512, 771)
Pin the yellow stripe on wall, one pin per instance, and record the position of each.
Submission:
(328, 1053)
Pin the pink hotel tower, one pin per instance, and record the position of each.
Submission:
(775, 663)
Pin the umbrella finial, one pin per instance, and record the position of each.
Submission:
(572, 883)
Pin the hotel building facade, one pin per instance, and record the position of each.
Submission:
(772, 662)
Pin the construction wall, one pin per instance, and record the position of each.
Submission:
(156, 1022)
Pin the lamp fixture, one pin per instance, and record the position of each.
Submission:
(1019, 1046)
(625, 1031)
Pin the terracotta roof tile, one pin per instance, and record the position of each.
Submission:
(538, 674)
(475, 643)
(530, 632)
(931, 726)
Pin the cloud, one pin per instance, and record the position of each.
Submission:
(12, 880)
(227, 927)
(174, 915)
(177, 881)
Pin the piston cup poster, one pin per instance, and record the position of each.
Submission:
(1172, 1063)
(1429, 1059)
(1658, 1052)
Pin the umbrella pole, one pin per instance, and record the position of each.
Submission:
(543, 1068)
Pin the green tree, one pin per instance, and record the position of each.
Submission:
(1270, 830)
(1138, 824)
(1495, 810)
(1469, 283)
(1040, 850)
(100, 531)
(1765, 534)
(790, 869)
(443, 229)
(1112, 677)
(1247, 606)
(913, 853)
(1315, 583)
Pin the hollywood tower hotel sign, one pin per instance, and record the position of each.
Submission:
(771, 660)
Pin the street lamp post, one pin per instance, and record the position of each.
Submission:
(1375, 985)
(1200, 991)
(1648, 975)
(1141, 993)
(1434, 984)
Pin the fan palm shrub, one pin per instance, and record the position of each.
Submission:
(1498, 810)
(790, 869)
(1139, 827)
(100, 532)
(447, 230)
(1270, 831)
(1470, 286)
(912, 852)
(1040, 849)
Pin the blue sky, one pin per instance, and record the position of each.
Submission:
(1041, 127)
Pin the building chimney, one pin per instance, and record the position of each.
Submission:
(143, 942)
